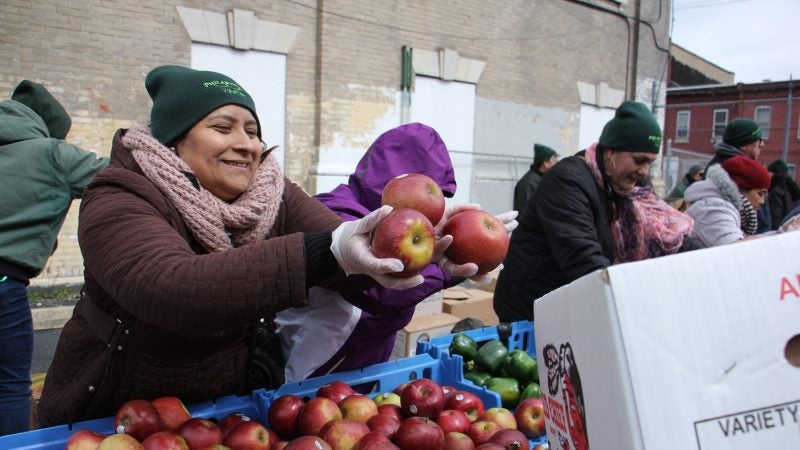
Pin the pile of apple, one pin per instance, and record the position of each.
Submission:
(166, 424)
(407, 233)
(419, 415)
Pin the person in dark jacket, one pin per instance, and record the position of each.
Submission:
(40, 175)
(590, 213)
(784, 193)
(189, 237)
(743, 137)
(544, 158)
(355, 330)
(675, 198)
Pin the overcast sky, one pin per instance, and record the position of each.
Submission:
(756, 39)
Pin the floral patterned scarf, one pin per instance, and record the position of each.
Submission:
(645, 226)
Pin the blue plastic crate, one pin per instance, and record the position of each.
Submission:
(55, 438)
(521, 337)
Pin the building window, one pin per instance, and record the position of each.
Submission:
(720, 122)
(682, 126)
(763, 118)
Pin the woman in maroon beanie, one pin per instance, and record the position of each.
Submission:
(724, 205)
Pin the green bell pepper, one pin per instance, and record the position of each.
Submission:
(491, 356)
(522, 366)
(508, 388)
(478, 378)
(531, 390)
(465, 346)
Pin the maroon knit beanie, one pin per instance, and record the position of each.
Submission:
(747, 173)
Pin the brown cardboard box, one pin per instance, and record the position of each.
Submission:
(463, 302)
(421, 328)
(489, 287)
(431, 305)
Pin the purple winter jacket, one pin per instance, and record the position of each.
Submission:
(411, 148)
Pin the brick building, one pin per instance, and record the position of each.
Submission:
(329, 76)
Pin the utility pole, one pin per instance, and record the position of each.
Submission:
(788, 123)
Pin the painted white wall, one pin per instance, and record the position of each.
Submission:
(262, 75)
(593, 119)
(449, 107)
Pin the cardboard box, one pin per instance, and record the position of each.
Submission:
(689, 351)
(463, 302)
(423, 327)
(489, 287)
(431, 305)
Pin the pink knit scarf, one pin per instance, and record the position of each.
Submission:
(216, 224)
(646, 226)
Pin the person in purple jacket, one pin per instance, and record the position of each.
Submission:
(339, 332)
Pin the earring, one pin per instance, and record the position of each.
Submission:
(613, 162)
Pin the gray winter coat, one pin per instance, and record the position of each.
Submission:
(714, 206)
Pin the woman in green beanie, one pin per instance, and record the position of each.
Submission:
(189, 237)
(589, 213)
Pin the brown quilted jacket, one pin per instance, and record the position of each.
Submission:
(183, 314)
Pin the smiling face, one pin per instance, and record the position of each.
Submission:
(223, 150)
(625, 169)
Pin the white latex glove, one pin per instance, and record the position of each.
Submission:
(350, 247)
(509, 220)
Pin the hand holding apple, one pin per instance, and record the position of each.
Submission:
(350, 245)
(405, 234)
(478, 237)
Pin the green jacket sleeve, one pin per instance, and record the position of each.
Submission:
(78, 167)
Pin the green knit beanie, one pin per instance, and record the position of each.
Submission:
(542, 153)
(778, 166)
(36, 97)
(633, 129)
(740, 132)
(183, 96)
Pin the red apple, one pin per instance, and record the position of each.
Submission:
(388, 445)
(386, 425)
(453, 420)
(373, 437)
(200, 432)
(172, 411)
(511, 439)
(214, 447)
(419, 433)
(278, 445)
(457, 441)
(283, 413)
(387, 397)
(530, 417)
(343, 434)
(120, 441)
(422, 397)
(400, 388)
(358, 407)
(248, 435)
(230, 421)
(138, 418)
(467, 402)
(391, 410)
(478, 237)
(165, 440)
(85, 440)
(541, 447)
(416, 191)
(307, 443)
(449, 391)
(499, 415)
(336, 391)
(405, 234)
(481, 431)
(490, 446)
(317, 412)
